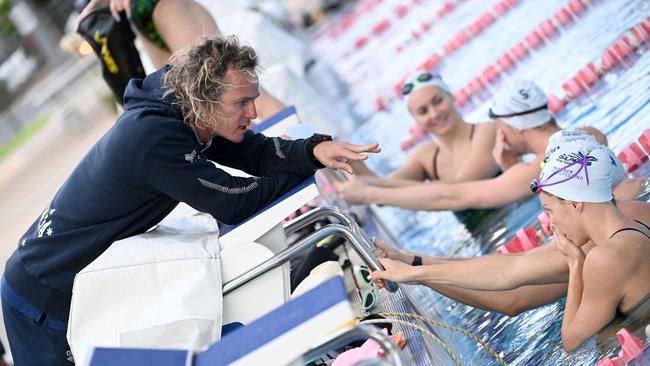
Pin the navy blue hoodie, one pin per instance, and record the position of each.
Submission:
(146, 164)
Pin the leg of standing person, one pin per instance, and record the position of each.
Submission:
(182, 22)
(157, 56)
(27, 335)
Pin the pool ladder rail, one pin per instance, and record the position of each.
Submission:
(363, 246)
(348, 229)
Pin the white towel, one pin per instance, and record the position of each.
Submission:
(160, 289)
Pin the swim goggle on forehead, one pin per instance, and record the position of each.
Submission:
(424, 77)
(493, 115)
(536, 184)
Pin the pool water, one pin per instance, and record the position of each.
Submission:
(618, 105)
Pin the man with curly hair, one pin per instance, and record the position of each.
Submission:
(177, 121)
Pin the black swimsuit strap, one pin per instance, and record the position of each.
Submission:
(633, 229)
(435, 154)
(435, 164)
(646, 226)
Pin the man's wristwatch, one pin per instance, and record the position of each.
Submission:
(314, 140)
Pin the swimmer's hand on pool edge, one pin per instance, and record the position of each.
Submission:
(392, 252)
(394, 271)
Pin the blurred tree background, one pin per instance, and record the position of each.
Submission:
(38, 42)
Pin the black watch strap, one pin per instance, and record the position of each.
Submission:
(417, 260)
(314, 140)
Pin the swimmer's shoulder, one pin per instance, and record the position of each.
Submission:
(609, 257)
(425, 148)
(485, 133)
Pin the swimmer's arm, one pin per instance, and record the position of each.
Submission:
(479, 163)
(592, 298)
(552, 247)
(509, 187)
(509, 302)
(413, 167)
(410, 173)
(629, 188)
(494, 272)
(600, 137)
(390, 182)
(406, 256)
(361, 169)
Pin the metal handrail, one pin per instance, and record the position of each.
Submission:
(293, 251)
(394, 356)
(320, 212)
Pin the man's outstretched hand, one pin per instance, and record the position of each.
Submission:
(338, 154)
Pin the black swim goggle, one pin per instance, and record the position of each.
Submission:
(420, 79)
(491, 113)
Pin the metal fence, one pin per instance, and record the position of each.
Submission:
(67, 92)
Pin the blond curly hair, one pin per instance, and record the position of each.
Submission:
(196, 77)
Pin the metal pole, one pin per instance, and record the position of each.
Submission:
(318, 213)
(293, 251)
(330, 211)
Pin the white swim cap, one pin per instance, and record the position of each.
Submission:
(580, 172)
(422, 80)
(520, 104)
(563, 137)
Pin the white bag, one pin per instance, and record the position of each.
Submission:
(160, 289)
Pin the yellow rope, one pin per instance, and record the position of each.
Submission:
(437, 339)
(440, 324)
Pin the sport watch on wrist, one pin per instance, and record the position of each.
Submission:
(417, 260)
(314, 140)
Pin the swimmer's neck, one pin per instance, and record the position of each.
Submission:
(459, 136)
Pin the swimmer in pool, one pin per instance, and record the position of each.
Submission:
(459, 152)
(605, 252)
(524, 127)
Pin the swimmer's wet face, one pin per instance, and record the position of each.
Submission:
(433, 109)
(566, 215)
